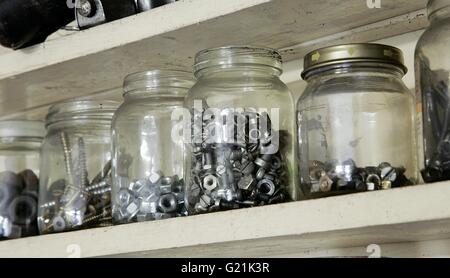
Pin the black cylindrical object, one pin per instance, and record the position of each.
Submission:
(27, 22)
(145, 5)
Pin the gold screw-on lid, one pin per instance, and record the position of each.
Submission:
(353, 53)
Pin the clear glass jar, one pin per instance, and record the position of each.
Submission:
(20, 144)
(241, 147)
(432, 62)
(356, 123)
(75, 170)
(147, 162)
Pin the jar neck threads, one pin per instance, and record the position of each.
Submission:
(100, 112)
(356, 68)
(238, 59)
(158, 83)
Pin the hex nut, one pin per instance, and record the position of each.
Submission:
(154, 177)
(143, 217)
(210, 183)
(221, 170)
(168, 203)
(146, 192)
(167, 181)
(165, 189)
(325, 184)
(124, 197)
(246, 183)
(276, 163)
(266, 187)
(373, 182)
(133, 209)
(23, 210)
(386, 185)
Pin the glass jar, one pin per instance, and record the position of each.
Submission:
(147, 160)
(432, 62)
(356, 123)
(241, 150)
(75, 180)
(20, 144)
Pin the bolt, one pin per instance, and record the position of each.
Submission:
(95, 186)
(102, 191)
(67, 156)
(82, 164)
(91, 219)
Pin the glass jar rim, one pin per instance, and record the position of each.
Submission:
(158, 78)
(22, 129)
(357, 53)
(228, 56)
(82, 110)
(434, 6)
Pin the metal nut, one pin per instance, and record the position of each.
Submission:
(155, 177)
(246, 183)
(210, 183)
(168, 203)
(325, 183)
(266, 187)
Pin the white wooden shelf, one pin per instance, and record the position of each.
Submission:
(389, 218)
(91, 62)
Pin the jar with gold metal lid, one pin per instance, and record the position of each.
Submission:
(356, 128)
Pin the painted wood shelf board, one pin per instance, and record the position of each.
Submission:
(409, 214)
(96, 60)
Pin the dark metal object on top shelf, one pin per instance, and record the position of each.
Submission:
(90, 13)
(24, 23)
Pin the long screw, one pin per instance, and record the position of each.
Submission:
(67, 156)
(82, 163)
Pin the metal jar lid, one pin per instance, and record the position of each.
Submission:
(353, 53)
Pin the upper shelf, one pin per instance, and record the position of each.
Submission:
(412, 214)
(97, 59)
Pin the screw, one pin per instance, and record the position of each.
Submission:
(82, 164)
(67, 156)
